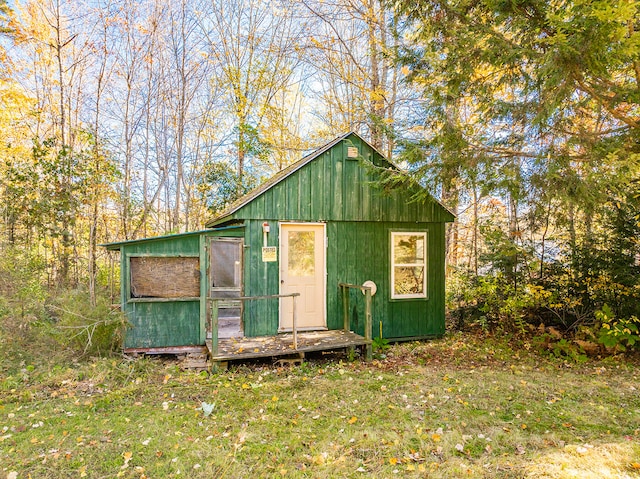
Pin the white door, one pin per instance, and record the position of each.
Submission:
(302, 270)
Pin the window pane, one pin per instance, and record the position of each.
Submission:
(408, 249)
(408, 280)
(301, 253)
(225, 264)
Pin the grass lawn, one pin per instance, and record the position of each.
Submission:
(457, 407)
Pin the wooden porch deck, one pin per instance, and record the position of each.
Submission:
(282, 345)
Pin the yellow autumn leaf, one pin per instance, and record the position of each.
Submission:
(245, 386)
(353, 420)
(436, 437)
(83, 471)
(393, 461)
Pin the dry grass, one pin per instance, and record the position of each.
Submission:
(459, 407)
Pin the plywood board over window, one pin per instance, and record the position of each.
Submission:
(165, 277)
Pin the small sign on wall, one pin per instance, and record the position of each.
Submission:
(269, 254)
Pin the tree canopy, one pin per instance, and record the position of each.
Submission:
(122, 119)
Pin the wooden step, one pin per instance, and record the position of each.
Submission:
(198, 361)
(230, 327)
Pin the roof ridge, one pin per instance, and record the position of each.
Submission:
(277, 178)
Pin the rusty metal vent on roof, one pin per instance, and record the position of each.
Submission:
(352, 152)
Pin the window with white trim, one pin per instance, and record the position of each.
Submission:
(408, 265)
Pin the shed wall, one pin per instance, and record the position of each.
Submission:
(356, 252)
(166, 322)
(333, 187)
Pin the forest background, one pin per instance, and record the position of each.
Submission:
(123, 119)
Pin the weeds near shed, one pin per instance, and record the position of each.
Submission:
(91, 329)
(380, 345)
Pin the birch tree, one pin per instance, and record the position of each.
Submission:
(255, 50)
(55, 75)
(352, 48)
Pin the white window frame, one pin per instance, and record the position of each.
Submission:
(393, 265)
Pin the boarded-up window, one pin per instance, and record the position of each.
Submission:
(173, 277)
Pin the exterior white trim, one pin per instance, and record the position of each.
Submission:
(393, 265)
(324, 272)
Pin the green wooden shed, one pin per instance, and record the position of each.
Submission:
(296, 255)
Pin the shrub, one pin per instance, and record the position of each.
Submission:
(96, 330)
(21, 283)
(492, 302)
(621, 334)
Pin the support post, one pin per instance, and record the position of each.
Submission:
(214, 327)
(204, 288)
(368, 324)
(295, 328)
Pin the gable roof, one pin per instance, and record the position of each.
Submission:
(274, 180)
(227, 214)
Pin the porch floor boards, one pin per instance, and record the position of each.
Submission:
(282, 344)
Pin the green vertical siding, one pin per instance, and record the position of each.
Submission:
(359, 217)
(344, 193)
(166, 323)
(333, 187)
(361, 252)
(260, 316)
(356, 252)
(155, 324)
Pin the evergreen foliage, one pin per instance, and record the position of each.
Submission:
(533, 107)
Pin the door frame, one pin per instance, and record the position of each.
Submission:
(211, 289)
(324, 273)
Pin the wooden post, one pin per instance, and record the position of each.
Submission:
(111, 277)
(345, 308)
(204, 288)
(295, 331)
(214, 327)
(368, 324)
